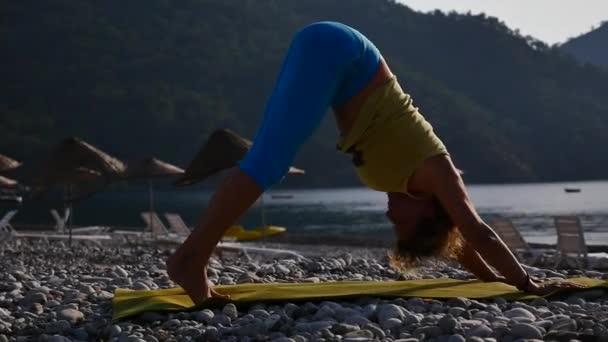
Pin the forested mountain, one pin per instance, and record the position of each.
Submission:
(155, 77)
(591, 47)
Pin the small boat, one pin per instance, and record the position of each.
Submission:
(572, 190)
(282, 196)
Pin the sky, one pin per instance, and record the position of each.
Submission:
(552, 21)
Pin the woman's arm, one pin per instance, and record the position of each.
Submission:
(449, 188)
(474, 263)
(445, 182)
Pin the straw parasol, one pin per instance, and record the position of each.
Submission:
(7, 190)
(223, 150)
(73, 153)
(150, 168)
(7, 182)
(75, 163)
(7, 163)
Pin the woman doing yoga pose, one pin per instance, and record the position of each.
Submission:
(393, 147)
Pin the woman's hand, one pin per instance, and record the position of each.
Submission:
(548, 287)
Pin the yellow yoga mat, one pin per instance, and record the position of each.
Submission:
(129, 302)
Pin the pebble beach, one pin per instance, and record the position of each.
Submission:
(49, 292)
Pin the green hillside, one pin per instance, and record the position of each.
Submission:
(155, 77)
(591, 47)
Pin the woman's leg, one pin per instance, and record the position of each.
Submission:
(311, 73)
(318, 58)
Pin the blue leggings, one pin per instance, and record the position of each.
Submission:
(326, 65)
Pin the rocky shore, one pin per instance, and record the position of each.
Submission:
(49, 292)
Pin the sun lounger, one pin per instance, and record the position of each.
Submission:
(97, 237)
(9, 233)
(61, 224)
(231, 246)
(5, 223)
(154, 224)
(570, 240)
(513, 239)
(60, 221)
(177, 224)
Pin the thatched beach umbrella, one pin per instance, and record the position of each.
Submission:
(75, 163)
(223, 150)
(7, 182)
(73, 153)
(7, 190)
(149, 169)
(7, 163)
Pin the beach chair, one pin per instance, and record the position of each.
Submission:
(61, 224)
(154, 224)
(95, 239)
(5, 223)
(177, 224)
(60, 221)
(570, 240)
(515, 241)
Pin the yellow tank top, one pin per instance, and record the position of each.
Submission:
(389, 139)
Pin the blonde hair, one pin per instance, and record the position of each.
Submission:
(435, 237)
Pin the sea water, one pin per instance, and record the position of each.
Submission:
(347, 210)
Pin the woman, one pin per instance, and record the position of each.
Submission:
(394, 149)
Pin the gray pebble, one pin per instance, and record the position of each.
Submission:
(121, 272)
(388, 311)
(519, 312)
(429, 332)
(113, 330)
(221, 319)
(231, 311)
(480, 331)
(564, 324)
(447, 323)
(456, 311)
(204, 316)
(58, 338)
(375, 329)
(359, 334)
(526, 331)
(391, 323)
(314, 326)
(456, 338)
(211, 333)
(70, 315)
(343, 328)
(140, 286)
(459, 302)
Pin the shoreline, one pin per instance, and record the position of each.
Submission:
(331, 239)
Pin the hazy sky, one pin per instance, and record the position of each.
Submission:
(552, 21)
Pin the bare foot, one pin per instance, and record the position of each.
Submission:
(189, 274)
